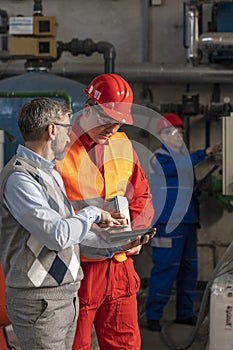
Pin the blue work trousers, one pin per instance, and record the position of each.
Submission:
(175, 259)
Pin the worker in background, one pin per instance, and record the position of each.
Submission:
(40, 232)
(174, 248)
(108, 290)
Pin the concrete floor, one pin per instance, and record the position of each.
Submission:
(173, 336)
(179, 336)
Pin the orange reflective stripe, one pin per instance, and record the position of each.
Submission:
(84, 259)
(120, 257)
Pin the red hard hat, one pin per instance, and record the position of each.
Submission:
(169, 120)
(114, 95)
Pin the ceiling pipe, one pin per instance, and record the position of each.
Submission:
(151, 73)
(142, 73)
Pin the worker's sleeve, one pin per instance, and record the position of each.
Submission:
(168, 165)
(28, 204)
(139, 196)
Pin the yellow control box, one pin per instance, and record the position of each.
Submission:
(31, 47)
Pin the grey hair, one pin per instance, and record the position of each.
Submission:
(35, 115)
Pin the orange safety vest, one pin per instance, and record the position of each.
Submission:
(84, 183)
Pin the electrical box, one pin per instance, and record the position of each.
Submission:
(190, 104)
(38, 25)
(44, 26)
(32, 47)
(227, 129)
(33, 37)
(156, 2)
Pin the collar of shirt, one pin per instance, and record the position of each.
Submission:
(183, 151)
(25, 152)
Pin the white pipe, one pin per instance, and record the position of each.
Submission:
(210, 42)
(193, 33)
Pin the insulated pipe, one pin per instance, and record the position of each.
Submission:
(210, 42)
(193, 33)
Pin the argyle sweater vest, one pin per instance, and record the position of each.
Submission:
(27, 264)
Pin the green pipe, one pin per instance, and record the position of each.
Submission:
(215, 190)
(215, 185)
(226, 202)
(59, 94)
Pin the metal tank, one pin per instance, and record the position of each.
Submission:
(25, 85)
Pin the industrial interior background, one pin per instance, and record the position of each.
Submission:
(160, 48)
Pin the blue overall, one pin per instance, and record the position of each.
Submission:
(174, 247)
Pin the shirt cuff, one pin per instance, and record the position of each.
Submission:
(92, 213)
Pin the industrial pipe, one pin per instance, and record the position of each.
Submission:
(75, 47)
(143, 73)
(4, 29)
(201, 2)
(210, 42)
(152, 73)
(193, 34)
(88, 47)
(37, 8)
(215, 190)
(58, 94)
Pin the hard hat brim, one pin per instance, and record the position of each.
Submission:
(119, 117)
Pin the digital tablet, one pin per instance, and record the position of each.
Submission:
(117, 234)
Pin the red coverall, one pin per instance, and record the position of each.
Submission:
(107, 294)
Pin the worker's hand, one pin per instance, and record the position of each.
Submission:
(214, 149)
(120, 217)
(133, 248)
(111, 220)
